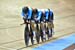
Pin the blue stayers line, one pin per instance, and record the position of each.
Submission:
(59, 44)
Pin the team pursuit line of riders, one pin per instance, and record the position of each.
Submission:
(39, 25)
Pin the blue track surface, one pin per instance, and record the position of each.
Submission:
(59, 44)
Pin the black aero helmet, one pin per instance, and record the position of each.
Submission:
(35, 11)
(48, 9)
(25, 9)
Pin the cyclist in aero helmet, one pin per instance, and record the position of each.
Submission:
(26, 15)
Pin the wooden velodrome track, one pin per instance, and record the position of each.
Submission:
(11, 33)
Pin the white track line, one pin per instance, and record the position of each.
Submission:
(7, 48)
